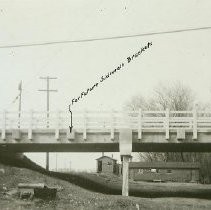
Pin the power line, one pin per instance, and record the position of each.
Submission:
(104, 38)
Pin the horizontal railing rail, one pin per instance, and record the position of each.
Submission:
(140, 120)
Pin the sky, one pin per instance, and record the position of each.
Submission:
(174, 57)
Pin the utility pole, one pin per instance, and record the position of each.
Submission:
(48, 90)
(19, 106)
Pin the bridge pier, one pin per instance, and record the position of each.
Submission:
(125, 175)
(125, 148)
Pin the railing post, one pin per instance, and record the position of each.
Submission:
(139, 124)
(195, 123)
(3, 131)
(85, 125)
(70, 132)
(30, 125)
(112, 124)
(57, 125)
(167, 124)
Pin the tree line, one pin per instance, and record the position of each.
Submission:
(175, 97)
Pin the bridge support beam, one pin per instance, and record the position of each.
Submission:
(125, 148)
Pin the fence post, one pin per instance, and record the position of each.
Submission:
(195, 122)
(167, 124)
(3, 131)
(30, 125)
(139, 124)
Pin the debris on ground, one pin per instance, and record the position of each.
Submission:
(37, 190)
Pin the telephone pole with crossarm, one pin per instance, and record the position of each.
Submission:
(48, 90)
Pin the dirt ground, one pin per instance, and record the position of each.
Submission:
(70, 196)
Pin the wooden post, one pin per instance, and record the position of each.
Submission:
(194, 123)
(140, 124)
(167, 124)
(125, 172)
(3, 131)
(30, 125)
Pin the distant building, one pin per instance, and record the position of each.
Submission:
(164, 171)
(107, 164)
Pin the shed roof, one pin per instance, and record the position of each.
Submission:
(104, 156)
(164, 165)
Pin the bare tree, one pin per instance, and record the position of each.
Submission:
(152, 156)
(176, 97)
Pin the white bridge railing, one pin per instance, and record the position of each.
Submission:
(140, 121)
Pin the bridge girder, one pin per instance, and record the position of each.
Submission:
(124, 141)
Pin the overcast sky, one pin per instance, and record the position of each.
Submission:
(182, 57)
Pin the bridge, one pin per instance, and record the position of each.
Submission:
(106, 131)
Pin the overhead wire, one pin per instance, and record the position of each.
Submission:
(103, 38)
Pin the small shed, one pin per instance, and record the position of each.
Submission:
(107, 164)
(165, 171)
